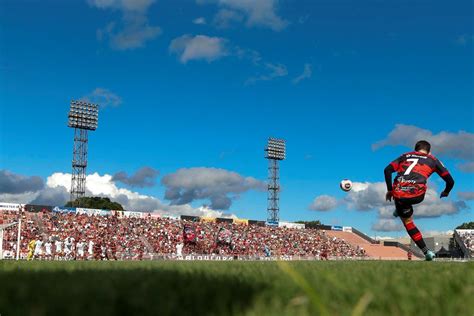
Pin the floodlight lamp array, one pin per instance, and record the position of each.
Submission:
(83, 115)
(276, 149)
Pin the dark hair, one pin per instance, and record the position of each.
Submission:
(423, 145)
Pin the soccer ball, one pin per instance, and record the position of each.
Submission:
(346, 185)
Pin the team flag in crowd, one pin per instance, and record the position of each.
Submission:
(224, 237)
(189, 234)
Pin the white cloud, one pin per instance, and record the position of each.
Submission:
(199, 21)
(51, 196)
(134, 35)
(18, 197)
(468, 196)
(103, 97)
(466, 167)
(431, 233)
(104, 4)
(202, 47)
(225, 18)
(367, 196)
(393, 225)
(307, 72)
(59, 179)
(56, 193)
(433, 206)
(323, 203)
(143, 177)
(17, 188)
(458, 145)
(219, 186)
(133, 30)
(273, 71)
(387, 225)
(254, 13)
(197, 47)
(11, 183)
(126, 5)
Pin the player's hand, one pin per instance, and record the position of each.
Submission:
(443, 194)
(389, 196)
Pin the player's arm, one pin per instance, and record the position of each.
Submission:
(446, 176)
(391, 168)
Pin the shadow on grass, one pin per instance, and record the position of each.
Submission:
(133, 292)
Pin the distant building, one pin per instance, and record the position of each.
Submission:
(435, 243)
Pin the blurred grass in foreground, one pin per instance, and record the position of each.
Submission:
(238, 288)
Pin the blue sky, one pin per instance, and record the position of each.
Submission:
(187, 84)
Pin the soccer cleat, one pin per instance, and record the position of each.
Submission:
(430, 255)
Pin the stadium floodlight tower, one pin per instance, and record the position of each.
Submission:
(274, 152)
(83, 117)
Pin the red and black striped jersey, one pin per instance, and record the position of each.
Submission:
(413, 170)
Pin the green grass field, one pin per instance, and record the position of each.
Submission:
(237, 288)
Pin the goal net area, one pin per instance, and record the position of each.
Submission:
(8, 234)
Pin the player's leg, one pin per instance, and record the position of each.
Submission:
(414, 233)
(405, 211)
(417, 237)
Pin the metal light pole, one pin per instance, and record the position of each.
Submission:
(83, 117)
(274, 152)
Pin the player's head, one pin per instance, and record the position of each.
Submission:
(423, 145)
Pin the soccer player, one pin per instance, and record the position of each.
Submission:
(47, 246)
(409, 187)
(38, 254)
(80, 250)
(179, 250)
(58, 245)
(68, 248)
(31, 249)
(103, 249)
(90, 250)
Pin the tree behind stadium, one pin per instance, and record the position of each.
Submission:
(469, 225)
(95, 202)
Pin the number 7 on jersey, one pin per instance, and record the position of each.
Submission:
(410, 168)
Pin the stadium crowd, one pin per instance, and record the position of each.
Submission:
(68, 236)
(467, 237)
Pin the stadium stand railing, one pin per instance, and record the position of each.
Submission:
(364, 236)
(416, 252)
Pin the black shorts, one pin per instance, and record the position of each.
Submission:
(404, 206)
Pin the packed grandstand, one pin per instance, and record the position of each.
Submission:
(467, 237)
(59, 233)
